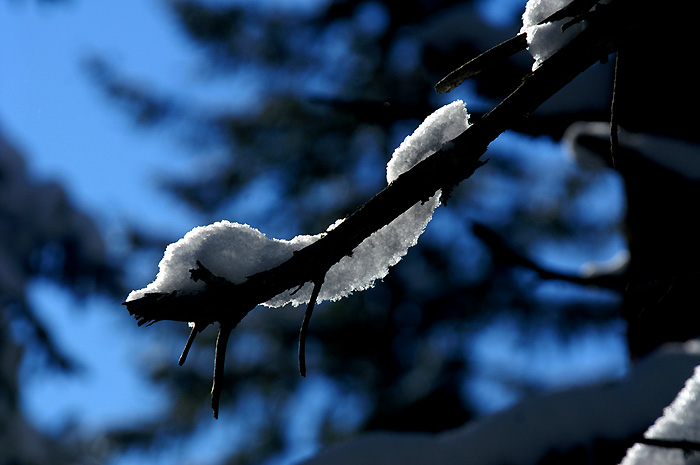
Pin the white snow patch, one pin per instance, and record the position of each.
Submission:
(438, 128)
(680, 422)
(545, 40)
(526, 433)
(235, 251)
(231, 250)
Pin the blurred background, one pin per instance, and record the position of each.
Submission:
(123, 125)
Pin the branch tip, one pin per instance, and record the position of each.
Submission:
(195, 329)
(219, 358)
(482, 62)
(305, 326)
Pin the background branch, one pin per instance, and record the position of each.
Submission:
(504, 251)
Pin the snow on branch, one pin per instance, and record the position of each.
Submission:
(674, 437)
(221, 272)
(233, 251)
(548, 25)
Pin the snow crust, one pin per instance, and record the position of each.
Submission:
(235, 251)
(526, 433)
(545, 40)
(680, 422)
(231, 250)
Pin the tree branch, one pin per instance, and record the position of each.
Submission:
(219, 359)
(196, 328)
(504, 251)
(684, 445)
(456, 161)
(482, 62)
(305, 325)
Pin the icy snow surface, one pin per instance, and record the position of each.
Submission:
(526, 433)
(680, 422)
(236, 251)
(546, 39)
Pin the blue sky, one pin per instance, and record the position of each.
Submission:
(61, 122)
(67, 130)
(65, 125)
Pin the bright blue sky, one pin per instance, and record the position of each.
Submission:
(61, 122)
(70, 132)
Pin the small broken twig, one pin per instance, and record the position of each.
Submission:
(481, 63)
(219, 358)
(305, 326)
(196, 328)
(577, 10)
(684, 445)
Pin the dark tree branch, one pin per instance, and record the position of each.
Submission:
(196, 328)
(481, 63)
(305, 326)
(505, 252)
(577, 9)
(456, 161)
(219, 359)
(684, 445)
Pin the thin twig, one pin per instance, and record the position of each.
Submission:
(684, 445)
(219, 359)
(305, 326)
(453, 163)
(481, 63)
(614, 141)
(188, 344)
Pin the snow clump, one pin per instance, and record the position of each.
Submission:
(235, 251)
(680, 422)
(231, 250)
(546, 39)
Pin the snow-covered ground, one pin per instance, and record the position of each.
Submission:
(559, 421)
